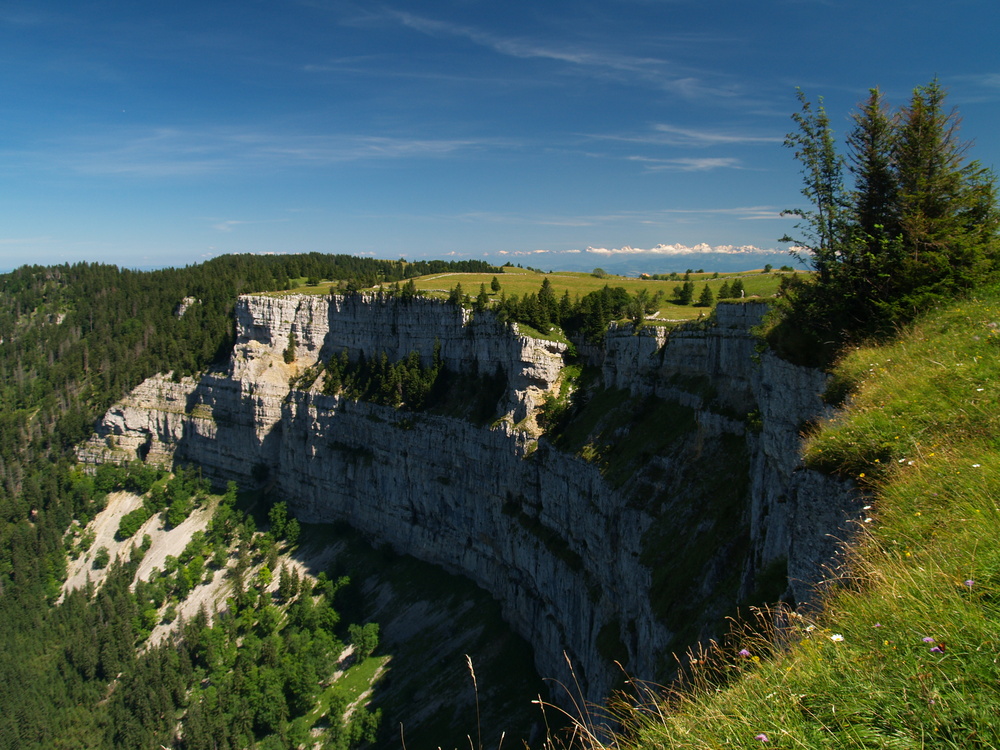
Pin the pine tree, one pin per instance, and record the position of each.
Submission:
(289, 353)
(706, 298)
(482, 299)
(919, 226)
(947, 206)
(822, 168)
(871, 145)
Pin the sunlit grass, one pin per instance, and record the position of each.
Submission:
(904, 653)
(521, 281)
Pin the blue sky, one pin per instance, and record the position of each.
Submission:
(151, 134)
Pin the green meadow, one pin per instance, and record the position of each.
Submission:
(522, 281)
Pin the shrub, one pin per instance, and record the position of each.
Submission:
(132, 522)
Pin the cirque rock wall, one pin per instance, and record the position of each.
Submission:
(564, 550)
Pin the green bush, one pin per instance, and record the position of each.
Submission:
(132, 522)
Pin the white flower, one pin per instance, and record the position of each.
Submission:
(836, 637)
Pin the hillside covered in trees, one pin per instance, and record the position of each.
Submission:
(74, 339)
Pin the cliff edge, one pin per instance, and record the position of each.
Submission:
(675, 492)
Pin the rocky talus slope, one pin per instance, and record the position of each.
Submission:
(586, 563)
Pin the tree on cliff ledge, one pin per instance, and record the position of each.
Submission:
(919, 226)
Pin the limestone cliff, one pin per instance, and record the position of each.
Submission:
(596, 566)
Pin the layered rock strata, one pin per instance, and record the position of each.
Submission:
(564, 550)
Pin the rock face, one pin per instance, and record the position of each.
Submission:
(565, 551)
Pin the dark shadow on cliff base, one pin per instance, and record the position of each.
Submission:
(429, 620)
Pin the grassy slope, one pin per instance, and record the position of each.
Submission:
(521, 281)
(905, 653)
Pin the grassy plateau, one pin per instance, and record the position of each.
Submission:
(521, 281)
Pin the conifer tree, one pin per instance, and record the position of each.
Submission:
(822, 169)
(947, 206)
(482, 299)
(706, 298)
(919, 226)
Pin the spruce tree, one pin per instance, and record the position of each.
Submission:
(947, 206)
(920, 225)
(482, 299)
(822, 169)
(706, 298)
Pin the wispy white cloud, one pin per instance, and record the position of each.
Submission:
(228, 225)
(650, 71)
(656, 217)
(167, 152)
(664, 250)
(691, 137)
(687, 164)
(678, 249)
(662, 134)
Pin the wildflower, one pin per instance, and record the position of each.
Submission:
(976, 466)
(836, 637)
(970, 583)
(928, 639)
(937, 649)
(744, 653)
(762, 737)
(868, 520)
(810, 628)
(877, 625)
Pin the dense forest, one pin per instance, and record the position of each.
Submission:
(74, 339)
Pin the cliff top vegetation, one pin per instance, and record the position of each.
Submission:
(679, 297)
(902, 651)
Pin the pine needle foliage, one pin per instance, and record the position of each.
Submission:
(917, 230)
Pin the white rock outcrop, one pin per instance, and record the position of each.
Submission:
(559, 546)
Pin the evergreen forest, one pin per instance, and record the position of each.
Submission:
(73, 340)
